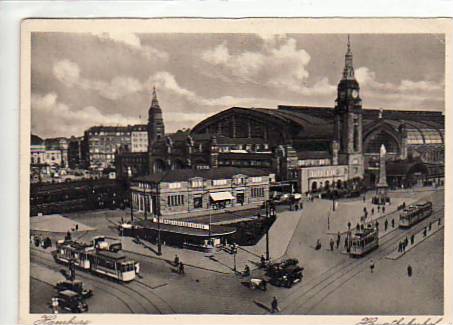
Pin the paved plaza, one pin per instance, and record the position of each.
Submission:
(211, 285)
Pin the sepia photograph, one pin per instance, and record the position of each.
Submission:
(242, 167)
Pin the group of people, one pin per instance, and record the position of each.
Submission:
(336, 242)
(403, 244)
(39, 241)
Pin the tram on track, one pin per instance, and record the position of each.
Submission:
(415, 213)
(113, 265)
(364, 240)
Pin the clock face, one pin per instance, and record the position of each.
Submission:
(355, 93)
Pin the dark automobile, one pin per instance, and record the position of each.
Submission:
(71, 301)
(76, 286)
(286, 273)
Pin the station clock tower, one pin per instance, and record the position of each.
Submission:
(348, 120)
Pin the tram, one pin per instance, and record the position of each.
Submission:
(415, 213)
(364, 240)
(110, 264)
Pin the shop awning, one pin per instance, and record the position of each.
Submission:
(221, 196)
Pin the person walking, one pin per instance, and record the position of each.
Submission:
(372, 211)
(364, 199)
(181, 268)
(412, 239)
(409, 270)
(424, 232)
(332, 243)
(429, 226)
(349, 225)
(371, 266)
(263, 261)
(377, 225)
(274, 305)
(406, 241)
(338, 239)
(393, 223)
(383, 209)
(378, 208)
(400, 247)
(386, 224)
(176, 260)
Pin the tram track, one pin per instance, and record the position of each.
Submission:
(49, 262)
(98, 288)
(341, 270)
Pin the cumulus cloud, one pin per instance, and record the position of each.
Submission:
(51, 117)
(68, 73)
(133, 41)
(405, 94)
(279, 61)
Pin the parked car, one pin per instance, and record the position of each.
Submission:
(76, 286)
(285, 274)
(71, 301)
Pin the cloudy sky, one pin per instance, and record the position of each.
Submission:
(85, 79)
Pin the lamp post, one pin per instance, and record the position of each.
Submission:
(267, 231)
(235, 250)
(159, 245)
(131, 204)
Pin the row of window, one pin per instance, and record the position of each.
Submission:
(257, 192)
(216, 182)
(175, 200)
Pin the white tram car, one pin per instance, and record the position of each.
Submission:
(364, 240)
(415, 213)
(113, 265)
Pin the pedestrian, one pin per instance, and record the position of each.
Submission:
(176, 260)
(404, 205)
(274, 305)
(364, 199)
(263, 261)
(393, 223)
(318, 245)
(383, 209)
(377, 225)
(181, 268)
(371, 266)
(379, 208)
(338, 239)
(412, 239)
(406, 242)
(357, 227)
(438, 222)
(399, 247)
(296, 207)
(68, 235)
(429, 226)
(332, 243)
(77, 227)
(372, 210)
(404, 247)
(424, 232)
(349, 225)
(409, 270)
(386, 224)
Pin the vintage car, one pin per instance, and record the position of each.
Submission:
(76, 286)
(285, 274)
(71, 301)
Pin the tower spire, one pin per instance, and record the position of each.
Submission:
(348, 72)
(154, 101)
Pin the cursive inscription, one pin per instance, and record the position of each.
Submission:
(60, 320)
(400, 321)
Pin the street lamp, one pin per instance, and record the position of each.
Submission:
(159, 245)
(235, 250)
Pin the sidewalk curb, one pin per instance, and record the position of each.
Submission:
(170, 261)
(413, 246)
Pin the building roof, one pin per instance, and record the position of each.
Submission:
(36, 140)
(213, 173)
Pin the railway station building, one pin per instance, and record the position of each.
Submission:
(308, 148)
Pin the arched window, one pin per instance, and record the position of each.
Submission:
(381, 138)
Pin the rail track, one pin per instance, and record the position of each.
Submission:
(330, 280)
(140, 301)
